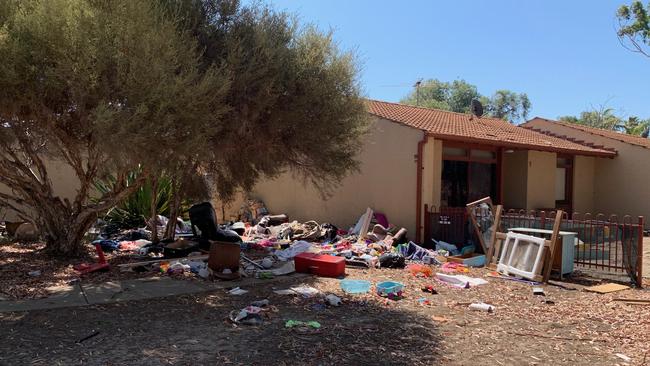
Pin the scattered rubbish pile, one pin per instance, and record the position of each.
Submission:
(264, 245)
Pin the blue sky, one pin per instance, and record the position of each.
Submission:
(564, 54)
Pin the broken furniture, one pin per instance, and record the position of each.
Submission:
(485, 220)
(224, 259)
(563, 262)
(522, 254)
(204, 226)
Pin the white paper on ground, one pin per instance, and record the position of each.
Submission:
(306, 291)
(460, 281)
(237, 291)
(285, 269)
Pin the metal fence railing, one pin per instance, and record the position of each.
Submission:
(604, 243)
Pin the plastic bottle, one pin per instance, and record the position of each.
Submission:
(482, 307)
(242, 314)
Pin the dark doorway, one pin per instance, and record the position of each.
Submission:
(468, 174)
(564, 183)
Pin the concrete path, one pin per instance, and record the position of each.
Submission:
(81, 294)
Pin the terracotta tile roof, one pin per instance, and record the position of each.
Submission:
(619, 136)
(490, 131)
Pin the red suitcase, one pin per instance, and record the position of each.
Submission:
(320, 264)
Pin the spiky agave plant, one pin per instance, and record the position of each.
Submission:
(136, 209)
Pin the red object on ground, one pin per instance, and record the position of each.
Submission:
(320, 264)
(101, 265)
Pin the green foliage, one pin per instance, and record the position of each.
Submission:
(196, 89)
(457, 97)
(294, 103)
(508, 105)
(636, 126)
(600, 118)
(135, 210)
(605, 118)
(634, 27)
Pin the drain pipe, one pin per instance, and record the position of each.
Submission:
(418, 193)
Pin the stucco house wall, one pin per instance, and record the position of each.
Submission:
(541, 180)
(584, 176)
(515, 179)
(529, 179)
(386, 183)
(621, 183)
(64, 183)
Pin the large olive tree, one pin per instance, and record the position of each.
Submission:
(191, 88)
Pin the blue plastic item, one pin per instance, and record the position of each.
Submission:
(355, 286)
(389, 287)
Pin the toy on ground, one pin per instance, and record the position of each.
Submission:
(101, 265)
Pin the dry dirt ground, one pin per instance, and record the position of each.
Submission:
(579, 328)
(18, 260)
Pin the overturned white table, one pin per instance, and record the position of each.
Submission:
(563, 264)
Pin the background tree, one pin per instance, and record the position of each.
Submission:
(604, 117)
(634, 27)
(508, 105)
(457, 96)
(102, 87)
(188, 88)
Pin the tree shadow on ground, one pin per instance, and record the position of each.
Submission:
(195, 330)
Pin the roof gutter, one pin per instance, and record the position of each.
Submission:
(502, 143)
(418, 192)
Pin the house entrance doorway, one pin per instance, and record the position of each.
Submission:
(469, 173)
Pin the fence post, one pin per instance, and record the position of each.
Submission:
(639, 255)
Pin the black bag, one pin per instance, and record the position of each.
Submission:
(392, 260)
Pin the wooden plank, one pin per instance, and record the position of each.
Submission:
(641, 301)
(470, 207)
(497, 222)
(136, 264)
(554, 244)
(607, 288)
(476, 230)
(365, 224)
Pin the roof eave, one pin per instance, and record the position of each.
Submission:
(502, 143)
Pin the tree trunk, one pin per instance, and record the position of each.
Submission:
(64, 234)
(170, 230)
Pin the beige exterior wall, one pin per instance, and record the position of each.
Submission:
(432, 172)
(386, 183)
(515, 179)
(620, 183)
(64, 183)
(529, 180)
(431, 176)
(541, 180)
(584, 170)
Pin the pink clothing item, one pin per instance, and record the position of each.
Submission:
(381, 219)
